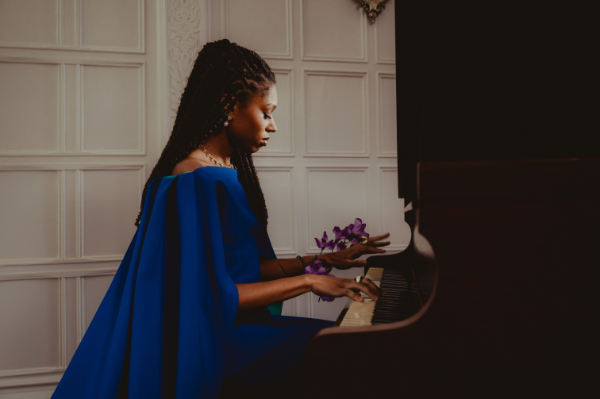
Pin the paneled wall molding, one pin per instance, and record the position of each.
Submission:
(69, 31)
(186, 36)
(383, 150)
(325, 12)
(284, 55)
(394, 210)
(62, 322)
(281, 221)
(51, 264)
(78, 210)
(289, 103)
(111, 165)
(141, 110)
(232, 20)
(30, 377)
(76, 59)
(364, 103)
(79, 269)
(71, 102)
(141, 180)
(51, 375)
(384, 32)
(85, 91)
(315, 193)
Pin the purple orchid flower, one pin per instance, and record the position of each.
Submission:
(326, 298)
(340, 235)
(358, 228)
(341, 245)
(316, 267)
(324, 243)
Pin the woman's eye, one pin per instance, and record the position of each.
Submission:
(267, 116)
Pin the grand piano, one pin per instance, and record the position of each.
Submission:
(498, 151)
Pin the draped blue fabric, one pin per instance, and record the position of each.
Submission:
(168, 327)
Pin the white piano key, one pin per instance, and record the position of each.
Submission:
(360, 313)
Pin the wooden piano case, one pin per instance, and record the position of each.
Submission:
(514, 310)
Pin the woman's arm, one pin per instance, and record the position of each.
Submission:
(265, 293)
(271, 269)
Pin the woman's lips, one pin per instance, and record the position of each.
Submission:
(264, 142)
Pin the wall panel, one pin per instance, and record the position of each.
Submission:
(335, 196)
(277, 184)
(29, 107)
(30, 215)
(280, 142)
(112, 23)
(83, 112)
(392, 210)
(72, 318)
(328, 95)
(29, 22)
(94, 289)
(385, 35)
(333, 30)
(269, 34)
(30, 327)
(386, 122)
(111, 200)
(112, 109)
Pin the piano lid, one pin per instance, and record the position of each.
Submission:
(494, 81)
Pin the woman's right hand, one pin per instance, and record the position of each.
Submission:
(337, 287)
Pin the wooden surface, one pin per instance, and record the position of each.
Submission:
(514, 312)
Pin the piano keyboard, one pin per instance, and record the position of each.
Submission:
(360, 313)
(400, 301)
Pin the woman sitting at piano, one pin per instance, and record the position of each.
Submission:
(186, 314)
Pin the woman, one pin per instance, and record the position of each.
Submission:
(185, 316)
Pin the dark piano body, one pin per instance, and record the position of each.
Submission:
(506, 243)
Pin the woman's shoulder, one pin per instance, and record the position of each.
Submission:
(188, 165)
(202, 169)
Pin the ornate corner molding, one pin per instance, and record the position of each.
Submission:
(373, 8)
(185, 39)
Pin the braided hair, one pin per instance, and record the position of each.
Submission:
(223, 74)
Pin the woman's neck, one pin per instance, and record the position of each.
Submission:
(218, 147)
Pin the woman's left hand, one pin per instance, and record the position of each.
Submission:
(347, 258)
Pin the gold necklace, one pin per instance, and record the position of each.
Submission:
(231, 166)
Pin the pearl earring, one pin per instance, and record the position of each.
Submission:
(227, 121)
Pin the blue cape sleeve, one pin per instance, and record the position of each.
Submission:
(265, 249)
(165, 323)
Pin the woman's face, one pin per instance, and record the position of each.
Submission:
(251, 125)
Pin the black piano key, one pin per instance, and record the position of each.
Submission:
(401, 299)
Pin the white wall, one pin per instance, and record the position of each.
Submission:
(83, 105)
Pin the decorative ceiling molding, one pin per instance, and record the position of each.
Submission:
(373, 8)
(185, 39)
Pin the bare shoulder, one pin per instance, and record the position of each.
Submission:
(188, 165)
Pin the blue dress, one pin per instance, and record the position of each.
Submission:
(168, 326)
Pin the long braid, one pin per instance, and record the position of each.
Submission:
(223, 74)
